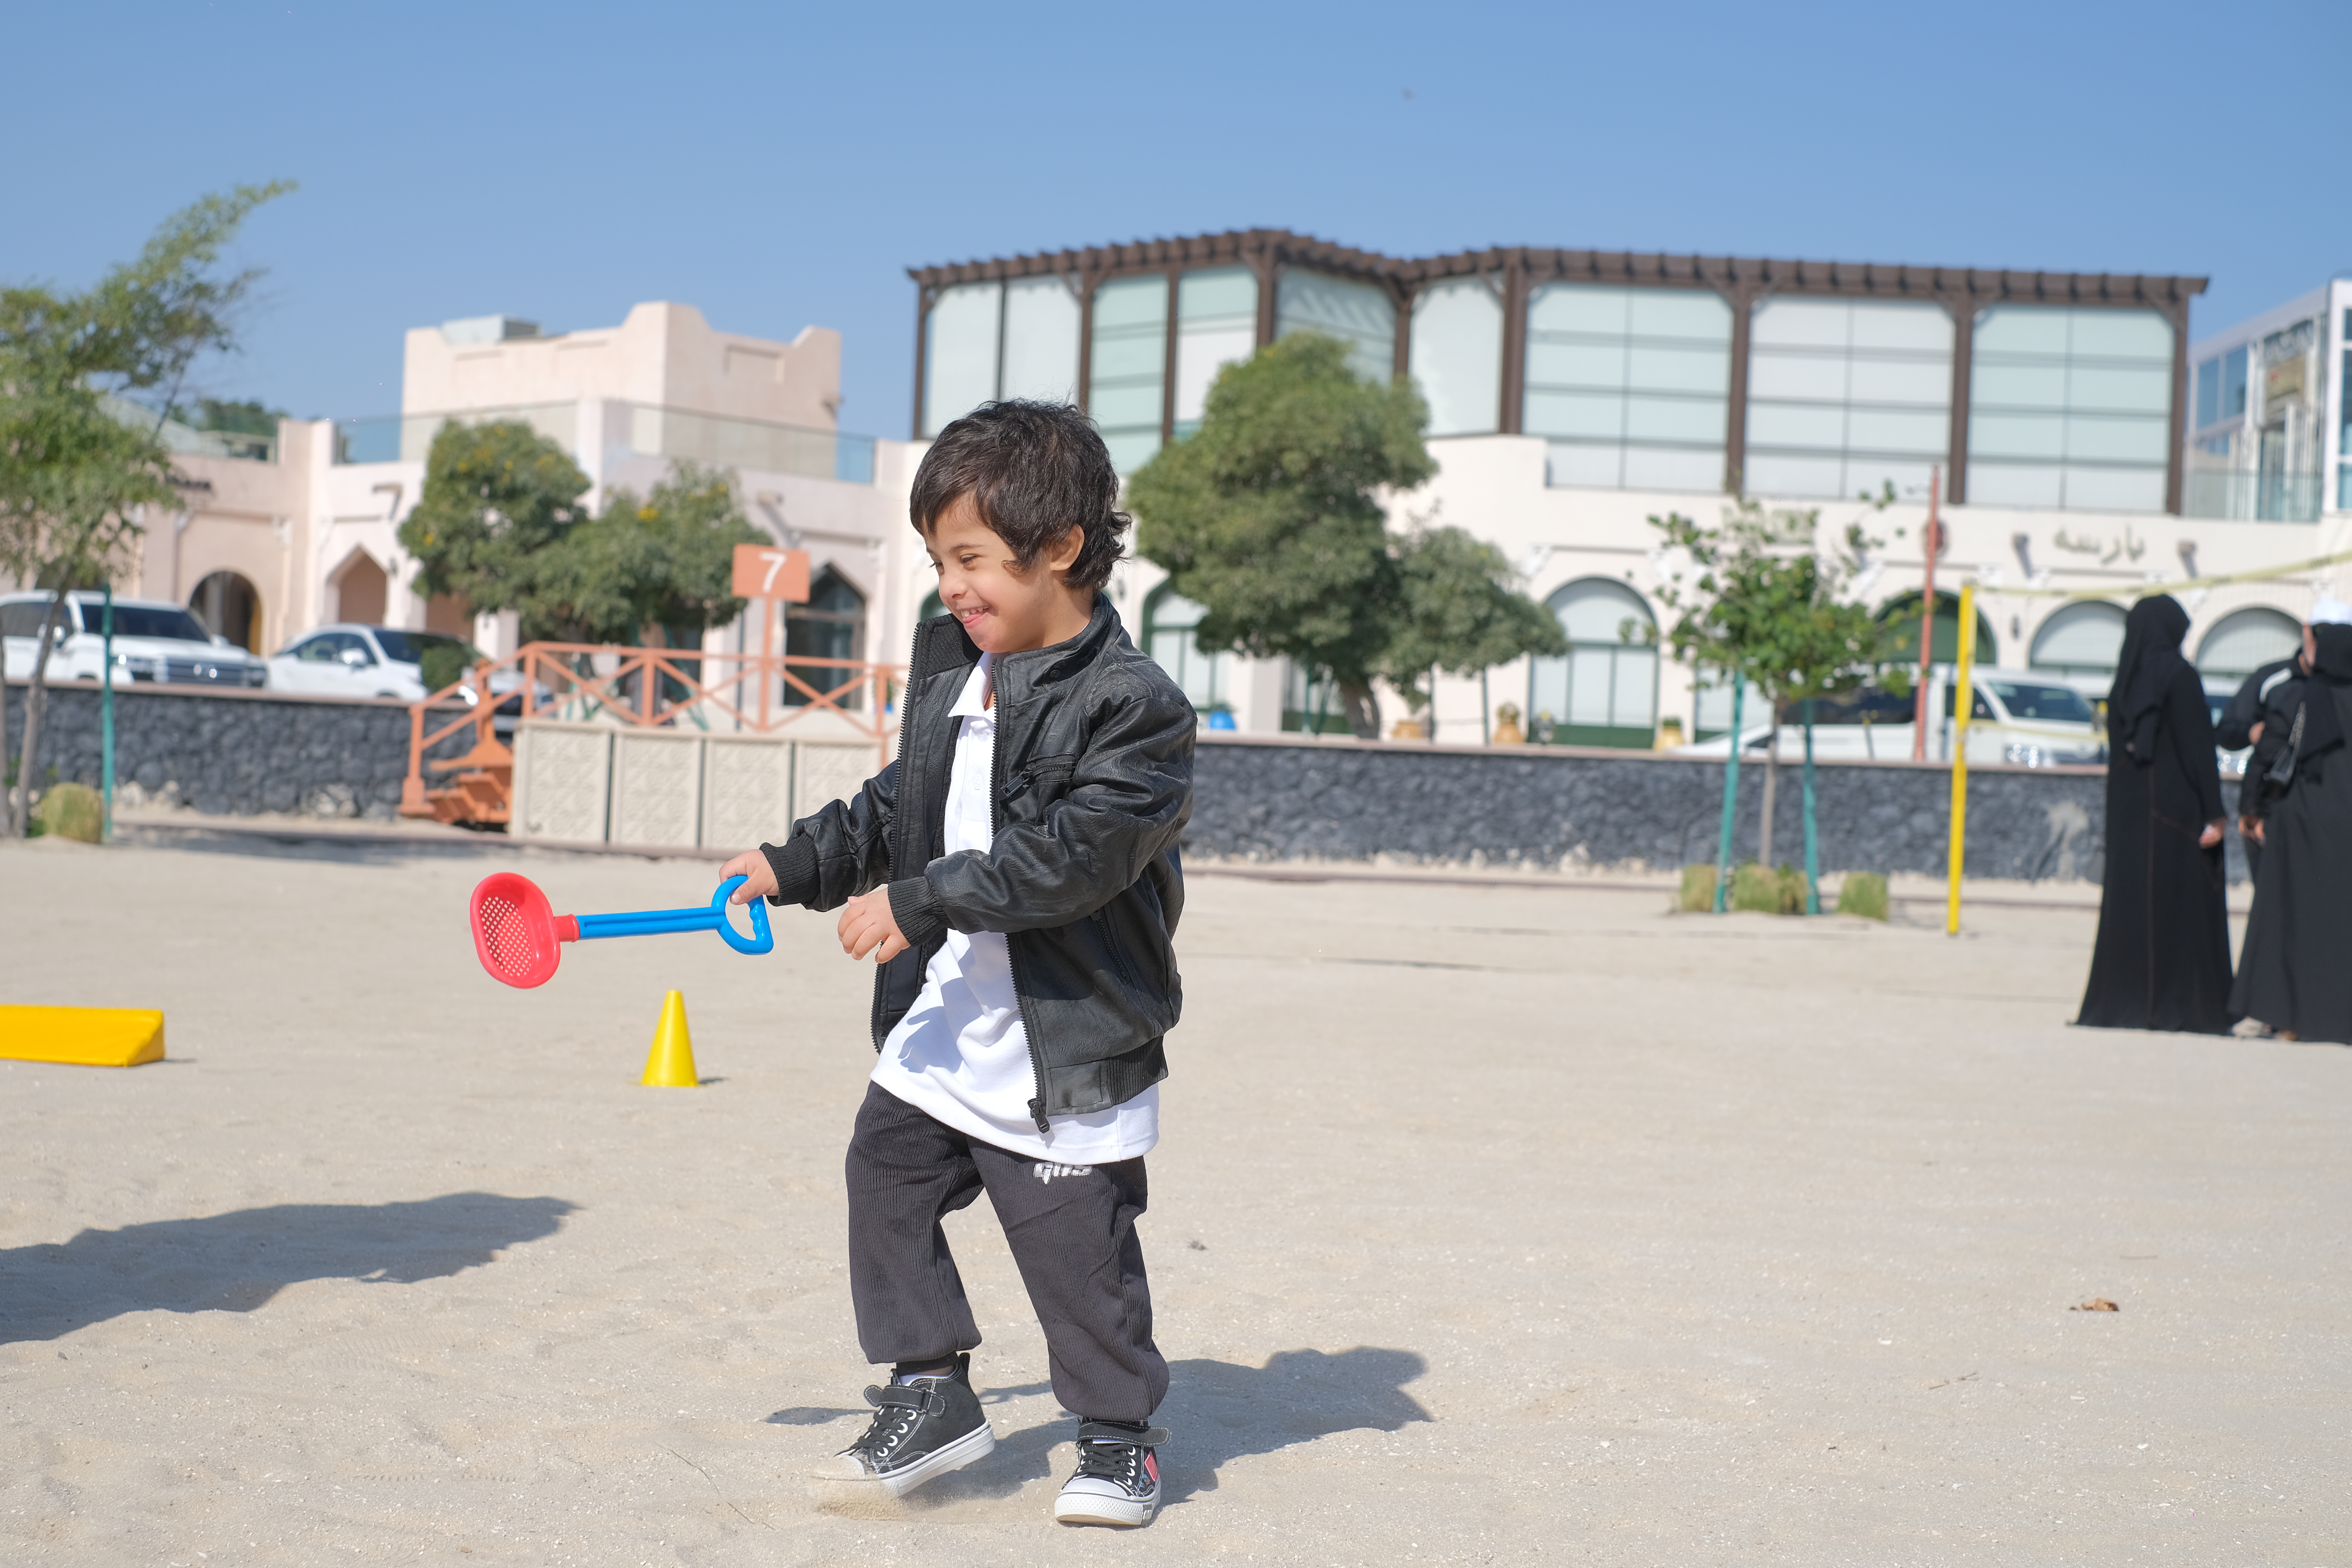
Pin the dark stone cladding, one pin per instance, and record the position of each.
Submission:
(1546, 807)
(231, 754)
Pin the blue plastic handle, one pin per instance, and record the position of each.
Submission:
(661, 922)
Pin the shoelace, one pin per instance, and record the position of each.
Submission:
(889, 1428)
(1120, 1462)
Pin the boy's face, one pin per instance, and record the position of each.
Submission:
(1004, 608)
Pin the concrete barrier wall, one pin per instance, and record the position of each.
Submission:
(1552, 807)
(673, 788)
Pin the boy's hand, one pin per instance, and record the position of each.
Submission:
(868, 929)
(759, 877)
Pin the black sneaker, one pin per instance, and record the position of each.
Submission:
(921, 1430)
(1119, 1475)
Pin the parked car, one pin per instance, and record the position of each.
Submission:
(2023, 717)
(154, 640)
(350, 660)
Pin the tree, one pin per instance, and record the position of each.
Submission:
(665, 561)
(1761, 603)
(73, 478)
(495, 496)
(1459, 613)
(1268, 518)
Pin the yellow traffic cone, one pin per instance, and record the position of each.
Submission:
(671, 1064)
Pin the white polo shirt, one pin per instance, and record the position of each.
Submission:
(961, 1054)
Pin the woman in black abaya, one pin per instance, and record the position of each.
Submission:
(2297, 977)
(2163, 956)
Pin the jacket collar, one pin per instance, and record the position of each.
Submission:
(942, 647)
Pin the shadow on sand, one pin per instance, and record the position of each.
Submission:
(1215, 1413)
(235, 1262)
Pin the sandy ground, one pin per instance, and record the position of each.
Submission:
(1493, 1224)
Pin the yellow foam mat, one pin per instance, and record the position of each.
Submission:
(85, 1036)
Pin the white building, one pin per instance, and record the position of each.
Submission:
(2267, 427)
(1573, 394)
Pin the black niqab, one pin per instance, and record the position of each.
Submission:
(2149, 664)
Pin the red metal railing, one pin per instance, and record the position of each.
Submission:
(644, 688)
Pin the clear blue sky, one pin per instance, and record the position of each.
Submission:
(778, 166)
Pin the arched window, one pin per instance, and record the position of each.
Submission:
(832, 624)
(1170, 622)
(2080, 639)
(2244, 640)
(230, 607)
(1604, 692)
(1902, 612)
(361, 590)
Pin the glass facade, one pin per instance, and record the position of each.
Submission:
(1456, 355)
(1631, 386)
(986, 340)
(1216, 323)
(1361, 314)
(1623, 368)
(1129, 374)
(2071, 408)
(2084, 638)
(1845, 397)
(1604, 691)
(962, 334)
(1040, 340)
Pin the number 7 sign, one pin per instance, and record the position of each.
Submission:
(770, 571)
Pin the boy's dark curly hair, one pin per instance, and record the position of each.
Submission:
(1033, 470)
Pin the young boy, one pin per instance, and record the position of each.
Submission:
(1014, 874)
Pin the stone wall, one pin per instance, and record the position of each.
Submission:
(235, 754)
(230, 754)
(1569, 806)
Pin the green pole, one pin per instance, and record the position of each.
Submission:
(1812, 851)
(106, 719)
(1731, 803)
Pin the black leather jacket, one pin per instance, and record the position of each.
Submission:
(1093, 786)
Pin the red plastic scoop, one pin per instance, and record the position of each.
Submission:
(515, 932)
(516, 935)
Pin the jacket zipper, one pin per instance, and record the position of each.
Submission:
(996, 782)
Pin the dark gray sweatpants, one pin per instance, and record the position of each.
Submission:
(1072, 1231)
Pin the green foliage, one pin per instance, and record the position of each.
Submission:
(1762, 601)
(1266, 517)
(495, 497)
(1864, 894)
(1456, 611)
(1697, 894)
(72, 811)
(73, 477)
(441, 666)
(665, 561)
(250, 417)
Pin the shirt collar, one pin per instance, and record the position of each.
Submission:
(971, 704)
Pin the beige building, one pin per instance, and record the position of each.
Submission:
(279, 535)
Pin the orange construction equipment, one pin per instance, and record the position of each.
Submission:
(644, 688)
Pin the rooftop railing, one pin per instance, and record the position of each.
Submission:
(644, 428)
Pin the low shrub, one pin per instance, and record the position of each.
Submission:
(1864, 894)
(71, 811)
(1698, 889)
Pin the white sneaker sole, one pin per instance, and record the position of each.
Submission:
(975, 1445)
(1083, 1508)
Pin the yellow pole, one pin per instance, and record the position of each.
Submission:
(1964, 698)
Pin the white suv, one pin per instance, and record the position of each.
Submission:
(2025, 717)
(154, 639)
